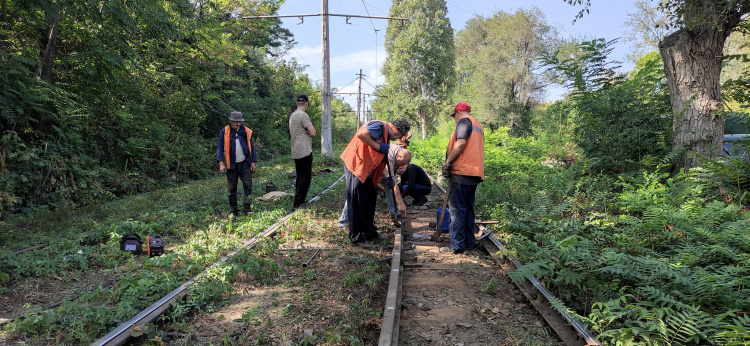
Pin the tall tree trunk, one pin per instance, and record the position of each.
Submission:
(48, 42)
(423, 121)
(692, 65)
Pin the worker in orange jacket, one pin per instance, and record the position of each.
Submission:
(364, 161)
(464, 167)
(235, 153)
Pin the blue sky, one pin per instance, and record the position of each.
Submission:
(357, 45)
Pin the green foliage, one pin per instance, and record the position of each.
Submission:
(497, 74)
(419, 68)
(125, 97)
(581, 65)
(668, 268)
(643, 258)
(621, 124)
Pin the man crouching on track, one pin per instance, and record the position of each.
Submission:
(464, 167)
(364, 160)
(236, 155)
(398, 159)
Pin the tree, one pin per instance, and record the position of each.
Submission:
(622, 126)
(104, 98)
(581, 66)
(419, 69)
(645, 29)
(498, 69)
(693, 68)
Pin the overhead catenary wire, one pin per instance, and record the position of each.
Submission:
(469, 12)
(306, 63)
(368, 13)
(375, 7)
(370, 84)
(351, 44)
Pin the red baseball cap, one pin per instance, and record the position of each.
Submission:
(461, 106)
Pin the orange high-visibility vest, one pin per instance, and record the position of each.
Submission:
(471, 160)
(362, 160)
(227, 137)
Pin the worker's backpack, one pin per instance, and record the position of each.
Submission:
(131, 243)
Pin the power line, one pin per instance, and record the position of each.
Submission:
(373, 6)
(306, 63)
(371, 84)
(368, 13)
(348, 34)
(347, 85)
(474, 13)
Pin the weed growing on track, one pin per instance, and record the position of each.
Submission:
(84, 251)
(490, 287)
(277, 301)
(641, 258)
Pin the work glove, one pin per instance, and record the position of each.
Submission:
(388, 182)
(383, 148)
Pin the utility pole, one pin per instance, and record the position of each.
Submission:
(359, 96)
(368, 113)
(326, 145)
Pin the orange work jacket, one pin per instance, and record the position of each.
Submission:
(362, 160)
(227, 137)
(471, 160)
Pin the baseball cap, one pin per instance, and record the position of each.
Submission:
(402, 125)
(460, 107)
(302, 98)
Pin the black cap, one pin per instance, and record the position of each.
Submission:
(302, 98)
(402, 125)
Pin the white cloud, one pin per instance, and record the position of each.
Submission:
(364, 60)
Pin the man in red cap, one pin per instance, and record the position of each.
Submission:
(464, 167)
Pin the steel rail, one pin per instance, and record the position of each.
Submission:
(582, 335)
(121, 334)
(552, 311)
(392, 312)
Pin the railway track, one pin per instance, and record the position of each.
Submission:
(427, 297)
(434, 299)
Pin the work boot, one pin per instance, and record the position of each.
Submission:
(377, 238)
(363, 244)
(449, 249)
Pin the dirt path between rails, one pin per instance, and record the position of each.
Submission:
(460, 299)
(339, 298)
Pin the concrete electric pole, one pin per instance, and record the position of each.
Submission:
(326, 145)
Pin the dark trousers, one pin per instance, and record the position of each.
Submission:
(360, 204)
(304, 177)
(418, 192)
(242, 171)
(461, 205)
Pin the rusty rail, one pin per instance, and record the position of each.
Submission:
(392, 311)
(121, 334)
